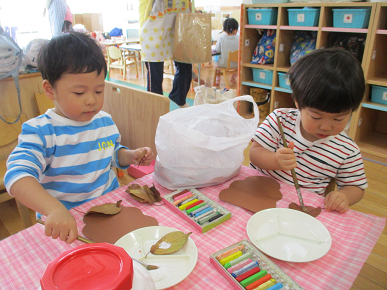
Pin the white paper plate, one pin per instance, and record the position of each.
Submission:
(174, 268)
(289, 235)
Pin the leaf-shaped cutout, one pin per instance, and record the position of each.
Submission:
(107, 208)
(144, 193)
(170, 243)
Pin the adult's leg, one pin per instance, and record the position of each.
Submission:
(181, 83)
(155, 77)
(56, 15)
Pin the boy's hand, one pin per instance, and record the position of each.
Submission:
(61, 224)
(140, 158)
(286, 158)
(336, 200)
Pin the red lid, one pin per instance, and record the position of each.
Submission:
(90, 266)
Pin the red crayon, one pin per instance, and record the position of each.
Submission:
(247, 274)
(180, 193)
(194, 204)
(258, 282)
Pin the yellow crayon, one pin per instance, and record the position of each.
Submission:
(230, 258)
(183, 206)
(266, 285)
(229, 252)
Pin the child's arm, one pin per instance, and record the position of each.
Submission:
(59, 222)
(340, 200)
(127, 157)
(282, 159)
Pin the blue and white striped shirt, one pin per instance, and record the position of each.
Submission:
(71, 160)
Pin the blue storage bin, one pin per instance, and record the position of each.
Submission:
(379, 95)
(283, 81)
(263, 76)
(262, 16)
(304, 17)
(351, 18)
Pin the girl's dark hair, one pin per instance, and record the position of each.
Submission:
(72, 53)
(329, 80)
(230, 24)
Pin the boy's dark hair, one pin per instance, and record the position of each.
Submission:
(230, 24)
(329, 80)
(72, 53)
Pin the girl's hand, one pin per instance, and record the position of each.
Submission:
(143, 156)
(336, 200)
(285, 157)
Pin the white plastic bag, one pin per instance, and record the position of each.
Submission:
(202, 145)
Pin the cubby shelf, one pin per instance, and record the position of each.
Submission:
(367, 126)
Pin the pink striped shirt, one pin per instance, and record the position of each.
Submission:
(317, 162)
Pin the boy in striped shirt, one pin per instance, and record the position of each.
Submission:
(328, 85)
(65, 156)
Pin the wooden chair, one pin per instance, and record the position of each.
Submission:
(219, 71)
(43, 102)
(9, 134)
(116, 59)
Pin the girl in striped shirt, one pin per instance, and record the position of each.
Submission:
(65, 156)
(328, 85)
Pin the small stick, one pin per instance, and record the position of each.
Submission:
(297, 186)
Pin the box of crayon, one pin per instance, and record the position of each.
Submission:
(197, 209)
(245, 267)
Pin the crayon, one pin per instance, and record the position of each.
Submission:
(192, 209)
(183, 195)
(215, 217)
(253, 278)
(230, 258)
(259, 282)
(192, 213)
(207, 218)
(245, 269)
(191, 197)
(179, 193)
(199, 218)
(229, 252)
(183, 207)
(176, 202)
(276, 287)
(247, 274)
(203, 211)
(195, 204)
(239, 265)
(236, 261)
(265, 285)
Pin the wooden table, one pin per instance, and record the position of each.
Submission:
(25, 255)
(137, 49)
(120, 42)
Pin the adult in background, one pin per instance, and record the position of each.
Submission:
(183, 74)
(58, 13)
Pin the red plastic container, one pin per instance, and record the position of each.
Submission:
(90, 267)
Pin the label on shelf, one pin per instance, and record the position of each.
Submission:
(301, 17)
(262, 75)
(258, 16)
(384, 98)
(347, 18)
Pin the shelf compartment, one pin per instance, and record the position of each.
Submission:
(257, 85)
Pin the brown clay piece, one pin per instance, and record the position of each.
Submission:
(314, 212)
(110, 228)
(255, 193)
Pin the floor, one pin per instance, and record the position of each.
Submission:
(373, 275)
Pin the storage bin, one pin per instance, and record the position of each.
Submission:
(351, 18)
(283, 81)
(262, 16)
(379, 95)
(304, 17)
(268, 1)
(262, 76)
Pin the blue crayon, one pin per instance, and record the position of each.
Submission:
(244, 269)
(203, 211)
(276, 287)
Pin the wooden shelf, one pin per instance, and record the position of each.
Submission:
(262, 66)
(381, 31)
(340, 29)
(374, 144)
(257, 85)
(302, 28)
(375, 106)
(377, 82)
(261, 26)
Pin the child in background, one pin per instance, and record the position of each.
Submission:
(65, 156)
(328, 85)
(228, 42)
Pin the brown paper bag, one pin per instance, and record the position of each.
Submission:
(192, 38)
